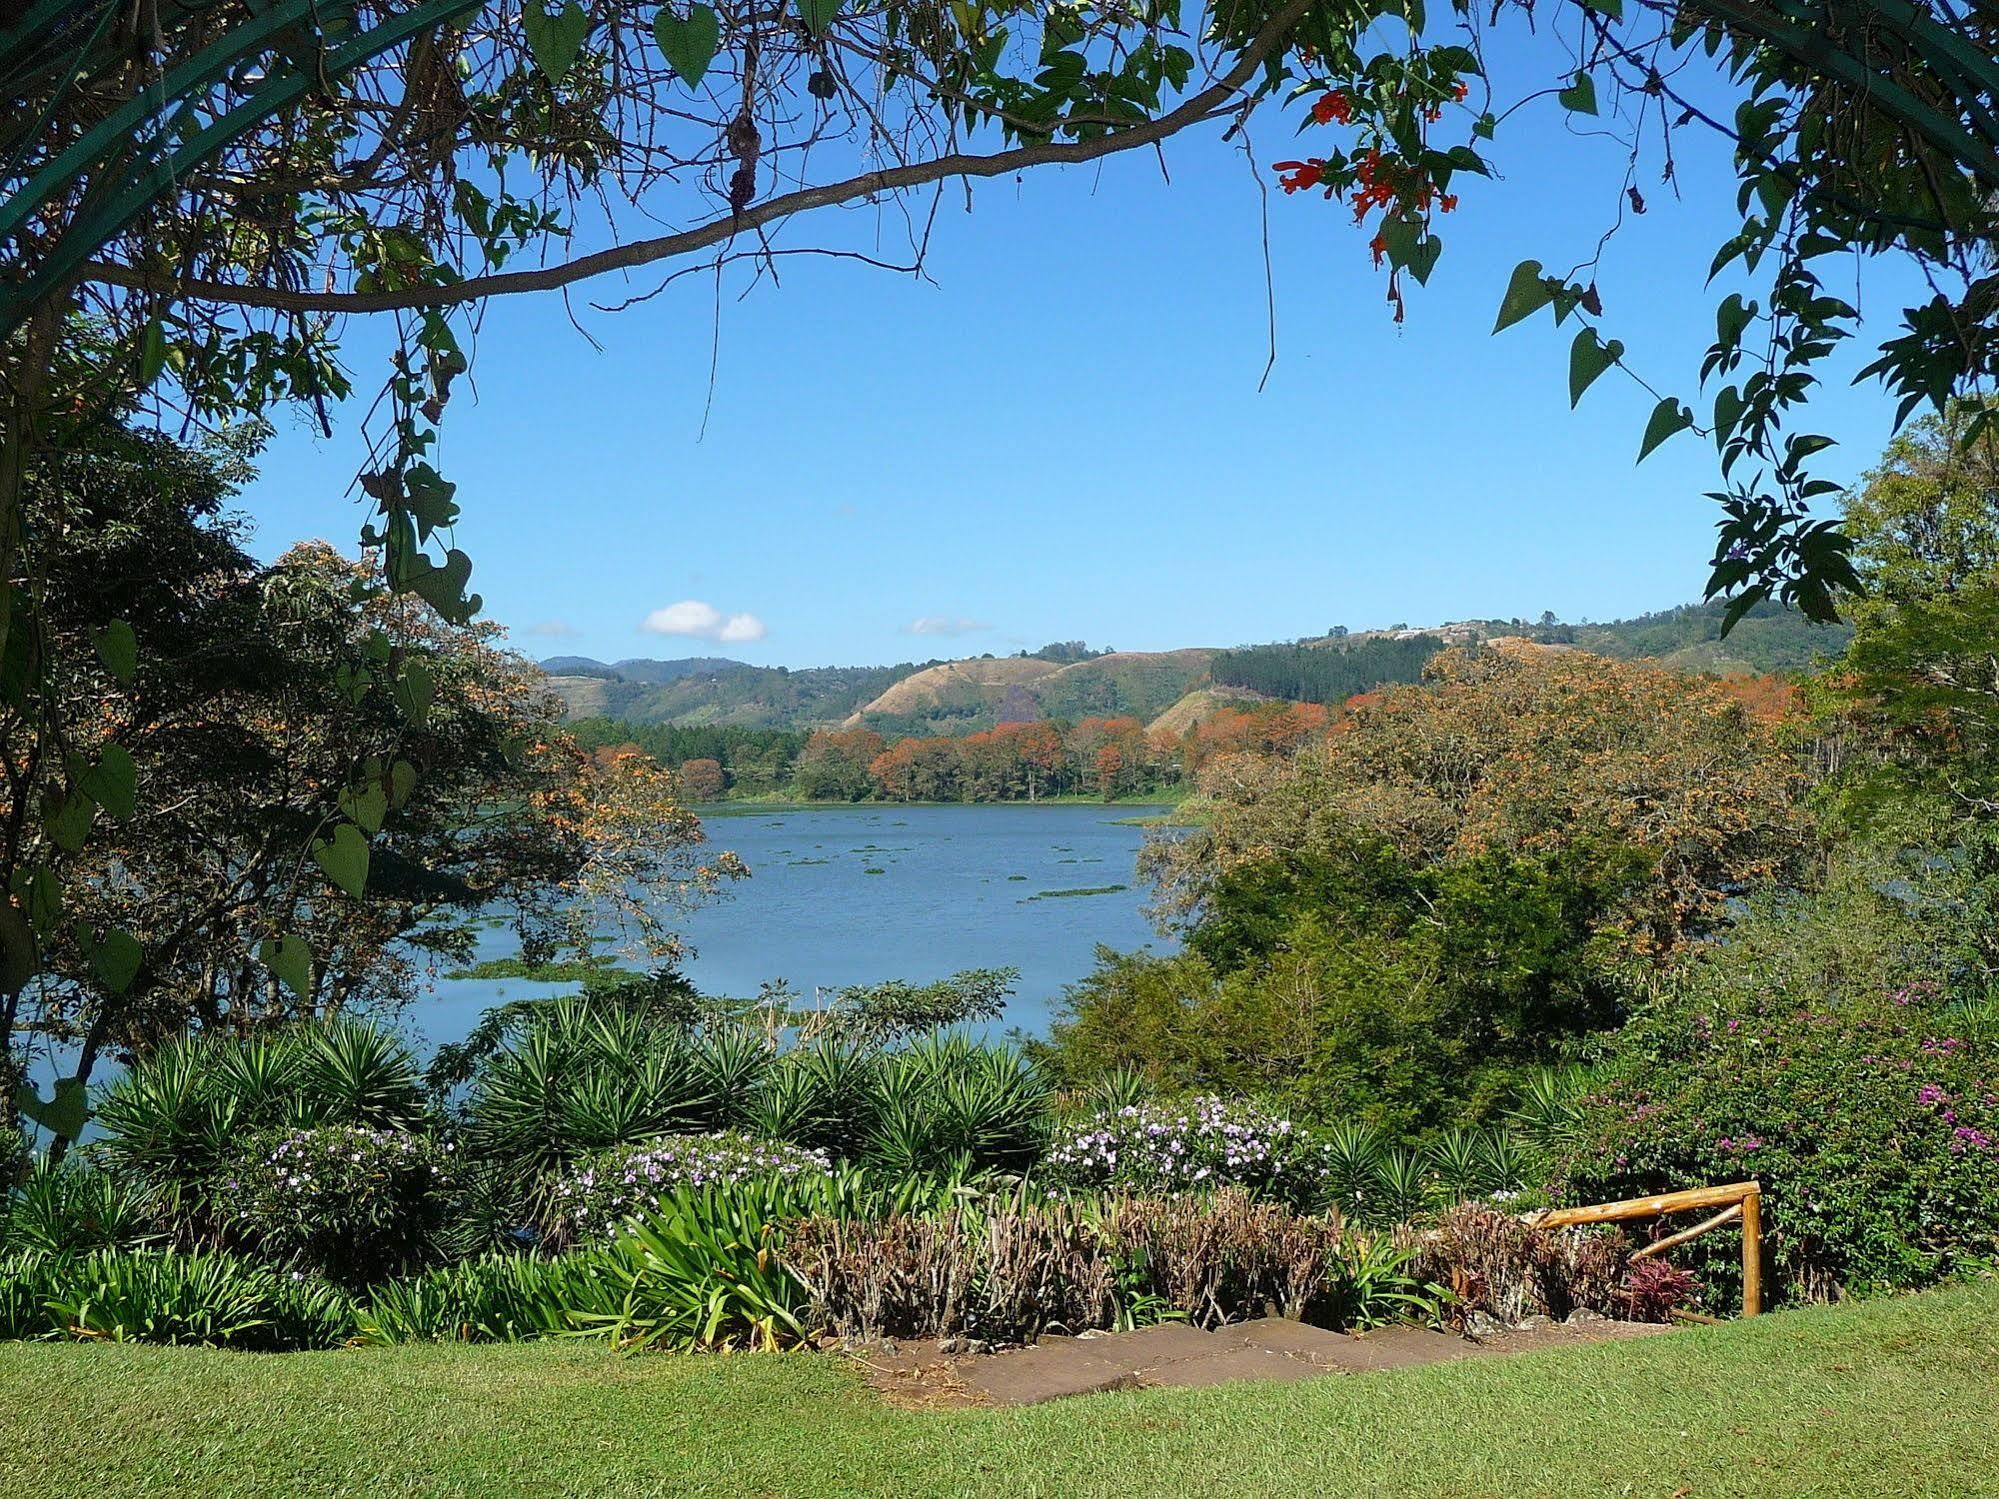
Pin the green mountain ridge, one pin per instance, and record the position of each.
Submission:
(954, 697)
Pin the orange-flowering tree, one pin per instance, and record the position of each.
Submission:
(1526, 752)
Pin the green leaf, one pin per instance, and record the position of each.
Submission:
(1579, 96)
(402, 781)
(291, 960)
(689, 45)
(344, 857)
(1612, 8)
(415, 689)
(118, 649)
(113, 781)
(1668, 417)
(818, 15)
(555, 40)
(18, 955)
(1589, 357)
(152, 353)
(64, 1115)
(1423, 257)
(68, 820)
(366, 804)
(1526, 294)
(117, 959)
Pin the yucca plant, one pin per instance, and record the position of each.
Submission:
(1349, 1153)
(1457, 1158)
(170, 1123)
(1510, 1164)
(350, 1072)
(1404, 1187)
(75, 1208)
(733, 1061)
(1547, 1112)
(1123, 1087)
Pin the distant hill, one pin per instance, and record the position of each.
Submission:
(963, 696)
(1768, 638)
(1066, 681)
(713, 691)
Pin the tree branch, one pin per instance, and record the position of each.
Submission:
(1207, 104)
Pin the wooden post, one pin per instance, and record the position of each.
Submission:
(1752, 1253)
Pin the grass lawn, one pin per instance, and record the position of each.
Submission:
(1889, 1398)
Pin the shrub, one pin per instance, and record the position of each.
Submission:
(1164, 1149)
(1009, 1269)
(603, 1190)
(1874, 1134)
(945, 1098)
(1494, 1262)
(74, 1208)
(174, 1121)
(499, 1298)
(348, 1202)
(213, 1299)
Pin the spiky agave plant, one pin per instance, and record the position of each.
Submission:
(170, 1123)
(1458, 1160)
(733, 1061)
(75, 1208)
(350, 1072)
(1350, 1152)
(1547, 1111)
(1404, 1187)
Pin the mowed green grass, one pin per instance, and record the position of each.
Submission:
(1889, 1398)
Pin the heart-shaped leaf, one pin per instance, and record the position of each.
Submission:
(291, 960)
(117, 959)
(1526, 294)
(402, 781)
(344, 857)
(689, 45)
(118, 649)
(113, 781)
(1423, 257)
(18, 957)
(415, 689)
(555, 40)
(818, 15)
(1579, 96)
(367, 805)
(63, 1115)
(68, 820)
(1668, 417)
(1589, 357)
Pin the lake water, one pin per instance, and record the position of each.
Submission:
(849, 895)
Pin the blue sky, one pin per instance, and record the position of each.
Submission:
(1059, 434)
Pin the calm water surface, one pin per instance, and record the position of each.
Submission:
(850, 895)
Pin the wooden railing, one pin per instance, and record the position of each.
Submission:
(1738, 1201)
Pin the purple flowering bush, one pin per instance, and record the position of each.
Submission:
(1163, 1149)
(1873, 1131)
(348, 1202)
(604, 1189)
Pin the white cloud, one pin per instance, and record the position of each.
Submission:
(945, 624)
(555, 629)
(703, 622)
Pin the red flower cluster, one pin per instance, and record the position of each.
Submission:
(1301, 174)
(1380, 189)
(1333, 108)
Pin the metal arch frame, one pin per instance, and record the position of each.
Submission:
(323, 46)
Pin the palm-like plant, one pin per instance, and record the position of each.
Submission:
(1405, 1187)
(1351, 1152)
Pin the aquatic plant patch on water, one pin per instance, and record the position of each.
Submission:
(613, 1185)
(1084, 890)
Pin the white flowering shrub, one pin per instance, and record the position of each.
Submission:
(351, 1203)
(604, 1189)
(1202, 1143)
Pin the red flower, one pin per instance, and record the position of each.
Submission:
(1379, 245)
(1332, 108)
(1448, 202)
(1302, 174)
(1459, 90)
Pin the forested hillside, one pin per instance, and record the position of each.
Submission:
(1769, 638)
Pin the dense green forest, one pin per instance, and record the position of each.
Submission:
(1768, 638)
(1328, 673)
